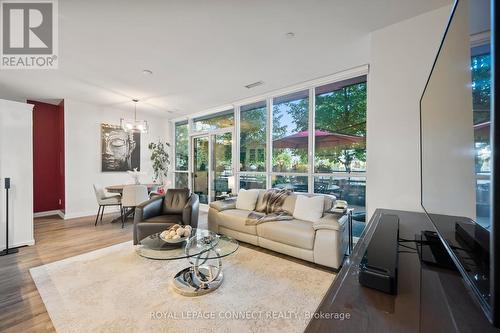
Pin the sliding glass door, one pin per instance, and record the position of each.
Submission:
(212, 166)
(200, 168)
(222, 165)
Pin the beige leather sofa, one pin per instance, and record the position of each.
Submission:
(323, 242)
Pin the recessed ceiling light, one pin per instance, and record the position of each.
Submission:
(290, 35)
(147, 72)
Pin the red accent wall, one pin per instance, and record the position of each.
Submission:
(48, 156)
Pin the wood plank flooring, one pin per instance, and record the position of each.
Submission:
(21, 307)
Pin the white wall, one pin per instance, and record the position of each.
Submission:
(16, 162)
(401, 59)
(83, 152)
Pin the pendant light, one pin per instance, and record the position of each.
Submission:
(134, 126)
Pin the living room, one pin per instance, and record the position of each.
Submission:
(225, 155)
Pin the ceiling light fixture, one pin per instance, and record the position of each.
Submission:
(147, 72)
(290, 35)
(255, 84)
(134, 126)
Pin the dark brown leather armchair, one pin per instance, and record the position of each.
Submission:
(161, 212)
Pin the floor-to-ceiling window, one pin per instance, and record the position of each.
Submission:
(340, 141)
(253, 146)
(310, 140)
(181, 174)
(290, 141)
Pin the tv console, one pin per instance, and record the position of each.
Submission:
(429, 298)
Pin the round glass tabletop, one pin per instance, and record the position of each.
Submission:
(200, 241)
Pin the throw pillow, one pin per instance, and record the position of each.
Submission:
(246, 200)
(308, 208)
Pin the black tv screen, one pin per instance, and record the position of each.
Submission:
(458, 149)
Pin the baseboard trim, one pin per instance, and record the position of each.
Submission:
(49, 213)
(19, 244)
(108, 210)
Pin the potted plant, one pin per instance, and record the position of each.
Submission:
(160, 160)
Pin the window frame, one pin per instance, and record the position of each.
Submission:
(268, 98)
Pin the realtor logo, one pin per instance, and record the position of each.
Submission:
(29, 34)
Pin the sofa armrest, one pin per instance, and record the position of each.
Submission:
(223, 204)
(152, 207)
(328, 221)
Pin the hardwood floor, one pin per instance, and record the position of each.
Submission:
(21, 307)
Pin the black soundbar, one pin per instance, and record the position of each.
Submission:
(379, 267)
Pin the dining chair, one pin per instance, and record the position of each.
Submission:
(104, 199)
(133, 196)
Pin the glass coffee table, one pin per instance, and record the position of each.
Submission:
(204, 251)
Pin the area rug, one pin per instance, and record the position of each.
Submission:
(115, 290)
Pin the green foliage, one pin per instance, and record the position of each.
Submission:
(279, 130)
(160, 159)
(181, 147)
(253, 136)
(299, 111)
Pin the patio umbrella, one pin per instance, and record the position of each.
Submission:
(324, 139)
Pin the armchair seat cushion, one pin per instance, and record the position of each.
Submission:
(165, 219)
(296, 233)
(114, 200)
(234, 219)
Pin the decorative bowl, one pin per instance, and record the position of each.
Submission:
(163, 236)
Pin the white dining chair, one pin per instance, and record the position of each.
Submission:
(133, 195)
(104, 199)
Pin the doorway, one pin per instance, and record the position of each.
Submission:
(48, 157)
(212, 165)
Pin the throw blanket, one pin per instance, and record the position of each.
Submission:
(271, 208)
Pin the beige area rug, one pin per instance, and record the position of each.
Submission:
(116, 290)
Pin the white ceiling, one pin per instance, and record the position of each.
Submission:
(202, 53)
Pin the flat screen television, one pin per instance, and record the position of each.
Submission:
(459, 158)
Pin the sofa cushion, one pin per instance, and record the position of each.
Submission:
(289, 204)
(308, 208)
(175, 200)
(234, 219)
(292, 232)
(247, 199)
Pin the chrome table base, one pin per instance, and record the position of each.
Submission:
(187, 283)
(200, 278)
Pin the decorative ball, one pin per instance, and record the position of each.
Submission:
(176, 237)
(187, 232)
(180, 231)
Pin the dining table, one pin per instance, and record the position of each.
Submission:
(119, 189)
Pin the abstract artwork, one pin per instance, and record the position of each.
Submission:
(120, 150)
